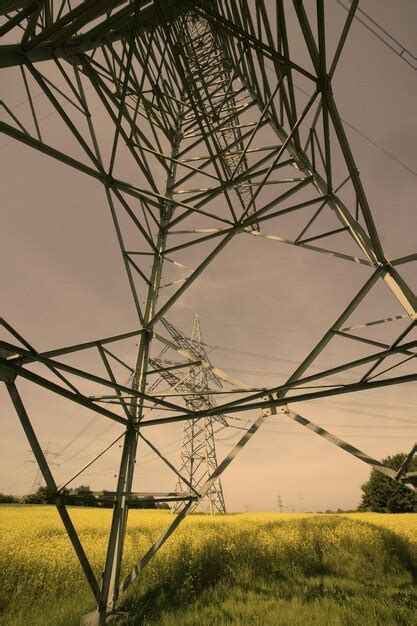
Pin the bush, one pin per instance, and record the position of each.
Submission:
(5, 499)
(381, 494)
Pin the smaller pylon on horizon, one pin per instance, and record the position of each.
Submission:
(38, 479)
(198, 451)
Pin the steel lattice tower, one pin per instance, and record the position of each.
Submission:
(198, 452)
(209, 141)
(38, 478)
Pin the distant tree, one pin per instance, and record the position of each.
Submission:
(383, 495)
(107, 499)
(138, 503)
(40, 496)
(6, 499)
(163, 505)
(85, 492)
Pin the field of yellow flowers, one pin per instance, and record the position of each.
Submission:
(239, 569)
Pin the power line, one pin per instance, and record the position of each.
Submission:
(278, 330)
(38, 478)
(89, 424)
(381, 148)
(360, 133)
(374, 143)
(33, 96)
(300, 434)
(81, 432)
(41, 119)
(248, 326)
(333, 425)
(388, 40)
(367, 414)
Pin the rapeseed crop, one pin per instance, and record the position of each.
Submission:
(284, 562)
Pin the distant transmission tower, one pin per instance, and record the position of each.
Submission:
(37, 481)
(280, 503)
(198, 453)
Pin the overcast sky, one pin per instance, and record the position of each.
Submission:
(262, 305)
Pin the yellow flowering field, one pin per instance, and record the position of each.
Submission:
(39, 568)
(405, 524)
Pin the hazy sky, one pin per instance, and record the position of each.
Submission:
(262, 305)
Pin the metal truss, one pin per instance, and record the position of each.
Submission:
(198, 453)
(209, 142)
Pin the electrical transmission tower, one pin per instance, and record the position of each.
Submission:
(38, 479)
(280, 503)
(198, 453)
(186, 115)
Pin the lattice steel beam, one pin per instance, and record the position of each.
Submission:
(209, 142)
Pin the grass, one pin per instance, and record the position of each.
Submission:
(240, 569)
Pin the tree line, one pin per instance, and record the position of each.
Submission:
(82, 496)
(380, 494)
